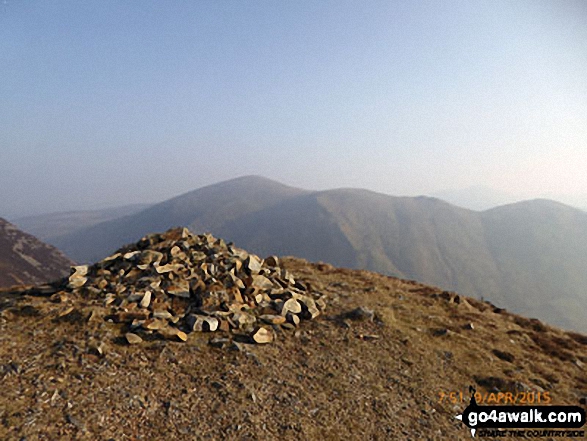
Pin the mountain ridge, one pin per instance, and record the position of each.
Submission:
(25, 260)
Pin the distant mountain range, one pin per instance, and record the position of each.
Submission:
(480, 197)
(48, 227)
(529, 257)
(476, 198)
(25, 260)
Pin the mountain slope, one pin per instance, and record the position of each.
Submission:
(540, 247)
(525, 256)
(25, 260)
(201, 210)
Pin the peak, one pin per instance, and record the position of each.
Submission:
(251, 180)
(540, 204)
(244, 183)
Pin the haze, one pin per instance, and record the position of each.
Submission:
(108, 103)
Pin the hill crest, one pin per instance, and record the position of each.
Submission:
(386, 358)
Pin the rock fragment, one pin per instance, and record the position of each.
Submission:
(262, 336)
(146, 300)
(272, 319)
(272, 261)
(290, 306)
(132, 338)
(360, 314)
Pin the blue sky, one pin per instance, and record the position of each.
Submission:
(108, 102)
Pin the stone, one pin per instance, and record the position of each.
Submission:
(59, 297)
(212, 323)
(504, 355)
(79, 271)
(299, 285)
(76, 282)
(223, 325)
(440, 332)
(258, 282)
(253, 264)
(131, 255)
(368, 337)
(286, 275)
(162, 269)
(201, 323)
(290, 306)
(220, 342)
(321, 303)
(66, 311)
(309, 308)
(129, 316)
(272, 261)
(243, 319)
(272, 319)
(133, 339)
(111, 258)
(180, 290)
(292, 319)
(162, 314)
(154, 324)
(360, 314)
(262, 335)
(146, 300)
(135, 297)
(171, 333)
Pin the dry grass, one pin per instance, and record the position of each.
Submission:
(332, 379)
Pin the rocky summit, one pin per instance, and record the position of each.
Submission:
(186, 337)
(172, 284)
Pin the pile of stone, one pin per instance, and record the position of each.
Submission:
(169, 285)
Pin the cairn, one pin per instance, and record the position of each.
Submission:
(172, 284)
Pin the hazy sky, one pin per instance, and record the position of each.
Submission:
(112, 102)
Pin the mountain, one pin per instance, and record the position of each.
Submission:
(201, 210)
(25, 260)
(526, 256)
(381, 358)
(478, 197)
(50, 226)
